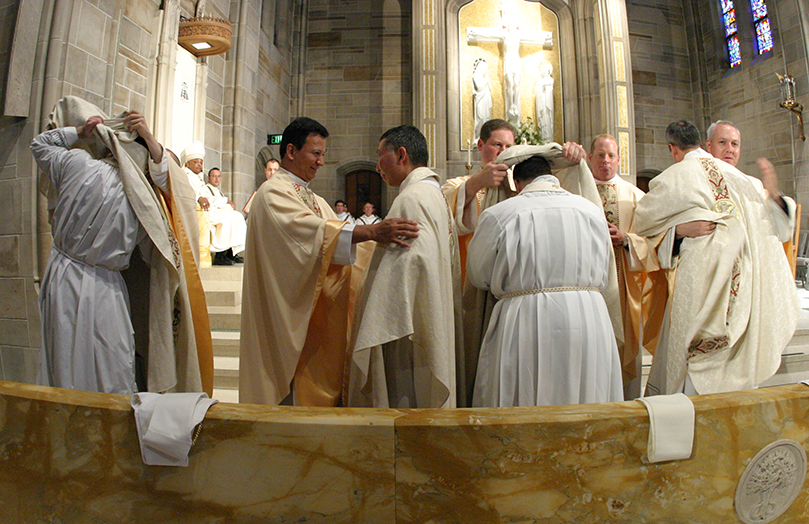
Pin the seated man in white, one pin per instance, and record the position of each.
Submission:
(227, 225)
(368, 216)
(545, 255)
(341, 209)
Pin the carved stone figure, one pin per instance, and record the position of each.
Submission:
(482, 94)
(543, 93)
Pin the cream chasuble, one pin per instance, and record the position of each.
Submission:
(734, 307)
(295, 314)
(409, 308)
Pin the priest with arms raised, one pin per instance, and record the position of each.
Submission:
(297, 280)
(734, 307)
(545, 254)
(409, 310)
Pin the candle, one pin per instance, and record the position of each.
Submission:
(468, 152)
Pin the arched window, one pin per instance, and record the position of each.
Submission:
(761, 23)
(731, 32)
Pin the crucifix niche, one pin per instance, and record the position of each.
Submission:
(511, 38)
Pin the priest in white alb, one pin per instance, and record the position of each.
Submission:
(545, 255)
(229, 228)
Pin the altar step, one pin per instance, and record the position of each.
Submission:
(223, 293)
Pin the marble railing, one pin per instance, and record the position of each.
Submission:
(73, 457)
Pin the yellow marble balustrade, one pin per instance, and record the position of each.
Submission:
(73, 457)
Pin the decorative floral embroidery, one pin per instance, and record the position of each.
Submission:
(708, 345)
(609, 200)
(175, 248)
(307, 196)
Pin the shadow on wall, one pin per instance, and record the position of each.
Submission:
(643, 178)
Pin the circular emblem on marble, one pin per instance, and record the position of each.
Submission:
(771, 482)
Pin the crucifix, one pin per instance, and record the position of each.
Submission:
(510, 36)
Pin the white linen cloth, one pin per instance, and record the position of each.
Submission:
(671, 427)
(554, 347)
(165, 424)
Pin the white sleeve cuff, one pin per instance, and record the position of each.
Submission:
(345, 253)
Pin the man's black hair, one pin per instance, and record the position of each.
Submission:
(412, 140)
(530, 169)
(298, 131)
(682, 134)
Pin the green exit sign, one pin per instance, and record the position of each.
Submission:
(273, 139)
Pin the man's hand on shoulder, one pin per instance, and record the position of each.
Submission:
(697, 228)
(390, 230)
(86, 131)
(573, 152)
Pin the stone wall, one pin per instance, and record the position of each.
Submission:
(357, 80)
(662, 76)
(680, 71)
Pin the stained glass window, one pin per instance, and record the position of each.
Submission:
(731, 30)
(758, 8)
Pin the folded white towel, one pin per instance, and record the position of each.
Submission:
(671, 427)
(165, 423)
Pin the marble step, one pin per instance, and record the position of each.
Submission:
(226, 373)
(220, 273)
(225, 318)
(225, 343)
(223, 292)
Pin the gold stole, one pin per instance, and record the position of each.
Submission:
(196, 295)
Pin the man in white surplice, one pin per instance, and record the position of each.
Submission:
(545, 254)
(734, 307)
(229, 227)
(408, 313)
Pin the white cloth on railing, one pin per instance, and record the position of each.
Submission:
(165, 424)
(671, 427)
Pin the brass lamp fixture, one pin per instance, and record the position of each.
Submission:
(205, 35)
(788, 99)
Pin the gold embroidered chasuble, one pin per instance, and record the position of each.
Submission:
(295, 314)
(734, 307)
(619, 199)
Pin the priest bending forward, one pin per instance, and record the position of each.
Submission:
(409, 311)
(545, 256)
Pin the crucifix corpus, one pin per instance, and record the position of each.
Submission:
(510, 36)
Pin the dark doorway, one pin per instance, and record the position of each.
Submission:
(363, 185)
